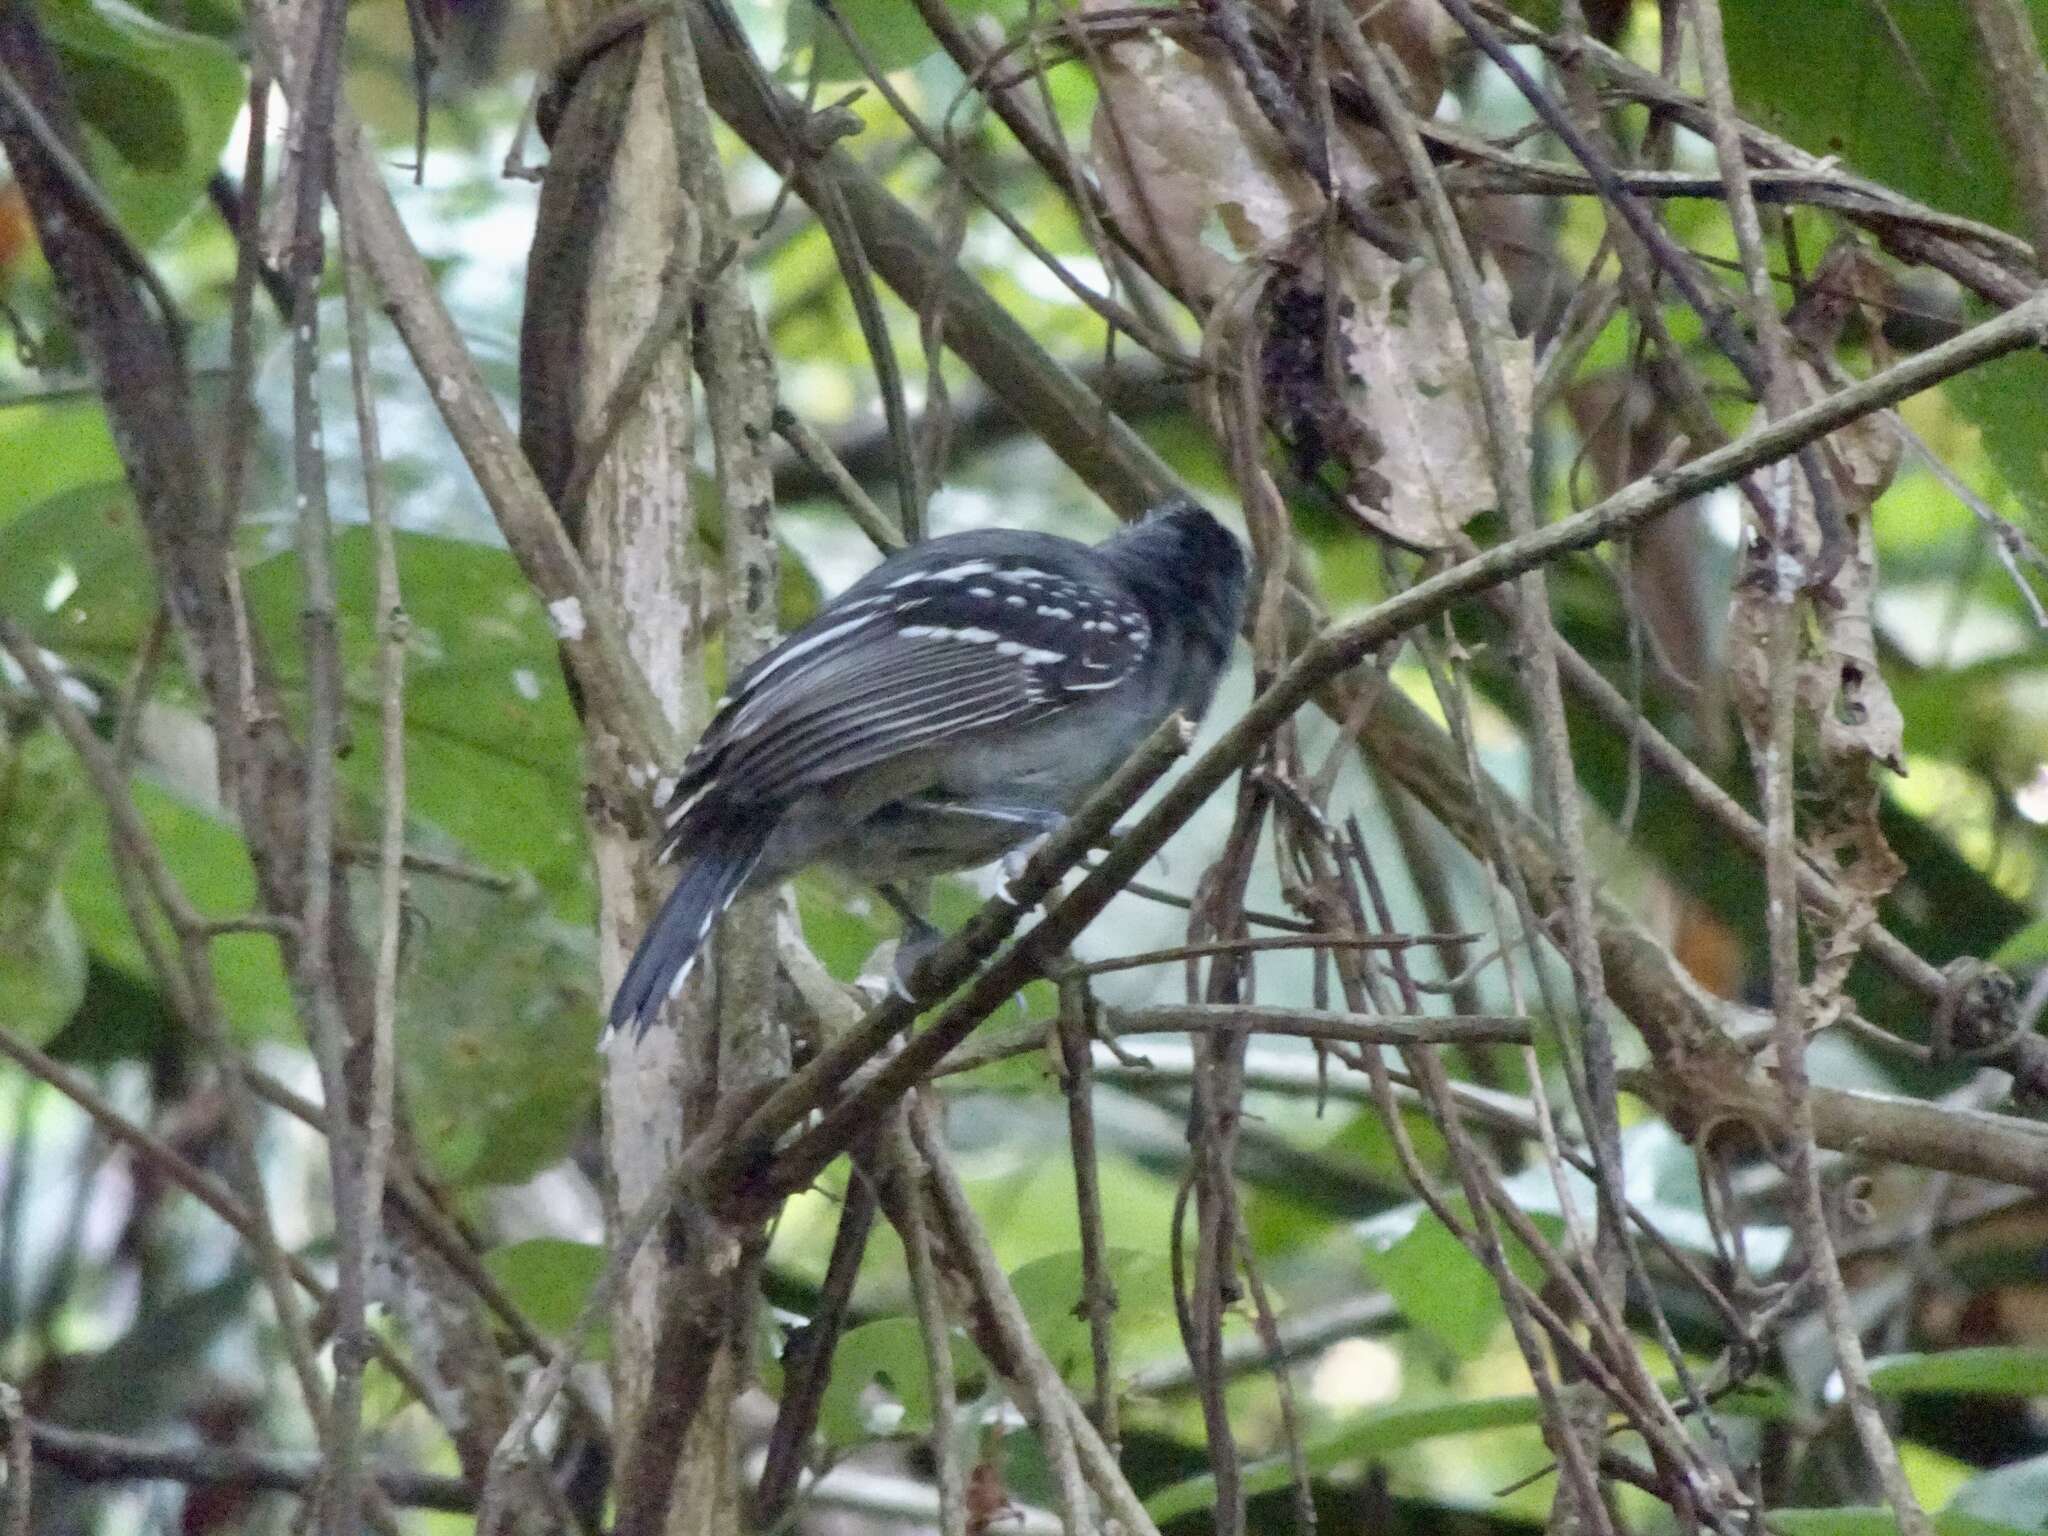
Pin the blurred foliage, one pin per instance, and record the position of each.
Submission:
(131, 1312)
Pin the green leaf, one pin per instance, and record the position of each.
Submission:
(1370, 1435)
(1870, 1520)
(2002, 399)
(1850, 1520)
(162, 100)
(42, 968)
(1902, 99)
(42, 956)
(2008, 1371)
(1957, 1522)
(1439, 1287)
(207, 857)
(51, 446)
(1049, 1290)
(493, 753)
(497, 1034)
(891, 33)
(1437, 1283)
(549, 1277)
(74, 573)
(890, 1352)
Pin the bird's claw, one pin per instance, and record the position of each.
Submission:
(917, 944)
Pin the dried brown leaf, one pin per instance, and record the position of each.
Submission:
(1849, 724)
(1194, 170)
(1188, 163)
(1413, 386)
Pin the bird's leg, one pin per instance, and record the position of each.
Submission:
(919, 938)
(1014, 861)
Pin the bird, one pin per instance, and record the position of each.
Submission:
(957, 702)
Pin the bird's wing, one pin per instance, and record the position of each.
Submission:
(931, 657)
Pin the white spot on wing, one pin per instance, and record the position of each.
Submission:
(1031, 654)
(959, 572)
(971, 636)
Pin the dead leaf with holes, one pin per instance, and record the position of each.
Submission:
(1849, 724)
(1360, 356)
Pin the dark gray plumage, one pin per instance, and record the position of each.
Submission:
(959, 700)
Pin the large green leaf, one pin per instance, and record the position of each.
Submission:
(208, 859)
(891, 34)
(2010, 1371)
(74, 574)
(51, 446)
(1869, 1520)
(1437, 1283)
(497, 1033)
(492, 748)
(1050, 1291)
(2003, 398)
(548, 1278)
(889, 1353)
(161, 99)
(2014, 1498)
(1902, 98)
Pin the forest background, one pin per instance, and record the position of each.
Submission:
(1560, 1051)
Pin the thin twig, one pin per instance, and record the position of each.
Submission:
(828, 466)
(974, 1254)
(97, 1458)
(807, 1359)
(310, 150)
(1098, 1290)
(903, 1173)
(189, 983)
(374, 1137)
(1184, 952)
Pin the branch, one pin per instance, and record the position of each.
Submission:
(175, 1169)
(1017, 1347)
(1987, 260)
(588, 628)
(2010, 56)
(731, 1161)
(1054, 405)
(96, 1458)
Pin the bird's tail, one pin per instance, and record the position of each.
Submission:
(715, 868)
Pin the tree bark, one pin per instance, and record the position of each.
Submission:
(627, 257)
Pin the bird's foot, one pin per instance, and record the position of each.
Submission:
(1012, 867)
(919, 942)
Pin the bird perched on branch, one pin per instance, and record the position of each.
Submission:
(956, 702)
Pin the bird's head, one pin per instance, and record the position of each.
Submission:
(1180, 558)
